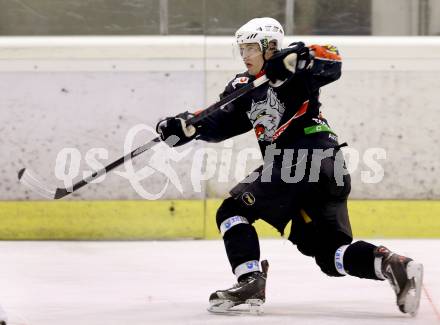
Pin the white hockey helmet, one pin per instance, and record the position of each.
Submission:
(261, 31)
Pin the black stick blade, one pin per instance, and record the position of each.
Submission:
(20, 173)
(60, 193)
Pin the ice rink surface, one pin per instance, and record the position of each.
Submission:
(169, 282)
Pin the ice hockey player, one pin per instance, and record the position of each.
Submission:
(285, 115)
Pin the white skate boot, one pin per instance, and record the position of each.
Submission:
(404, 275)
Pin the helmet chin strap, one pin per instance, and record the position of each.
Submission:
(264, 60)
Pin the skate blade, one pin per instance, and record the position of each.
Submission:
(412, 298)
(226, 307)
(221, 306)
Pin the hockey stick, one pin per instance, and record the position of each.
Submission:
(27, 178)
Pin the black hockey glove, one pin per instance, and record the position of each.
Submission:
(174, 131)
(287, 62)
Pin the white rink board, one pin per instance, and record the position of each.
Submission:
(169, 282)
(88, 92)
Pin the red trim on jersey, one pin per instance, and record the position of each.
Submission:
(302, 110)
(259, 74)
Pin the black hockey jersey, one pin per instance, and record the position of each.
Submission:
(288, 115)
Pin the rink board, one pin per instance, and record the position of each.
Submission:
(168, 219)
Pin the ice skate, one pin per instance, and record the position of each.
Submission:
(250, 293)
(405, 276)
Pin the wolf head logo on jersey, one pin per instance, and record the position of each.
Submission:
(265, 115)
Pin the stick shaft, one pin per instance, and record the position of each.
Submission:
(62, 192)
(227, 99)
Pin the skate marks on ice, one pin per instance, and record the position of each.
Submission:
(138, 283)
(171, 312)
(341, 312)
(435, 308)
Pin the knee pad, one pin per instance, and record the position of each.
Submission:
(227, 209)
(229, 215)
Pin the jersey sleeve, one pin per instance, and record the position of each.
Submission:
(327, 64)
(229, 121)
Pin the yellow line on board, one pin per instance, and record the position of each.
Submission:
(174, 219)
(101, 220)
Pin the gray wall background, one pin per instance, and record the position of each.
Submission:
(88, 93)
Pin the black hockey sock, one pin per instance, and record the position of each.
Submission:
(359, 260)
(241, 243)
